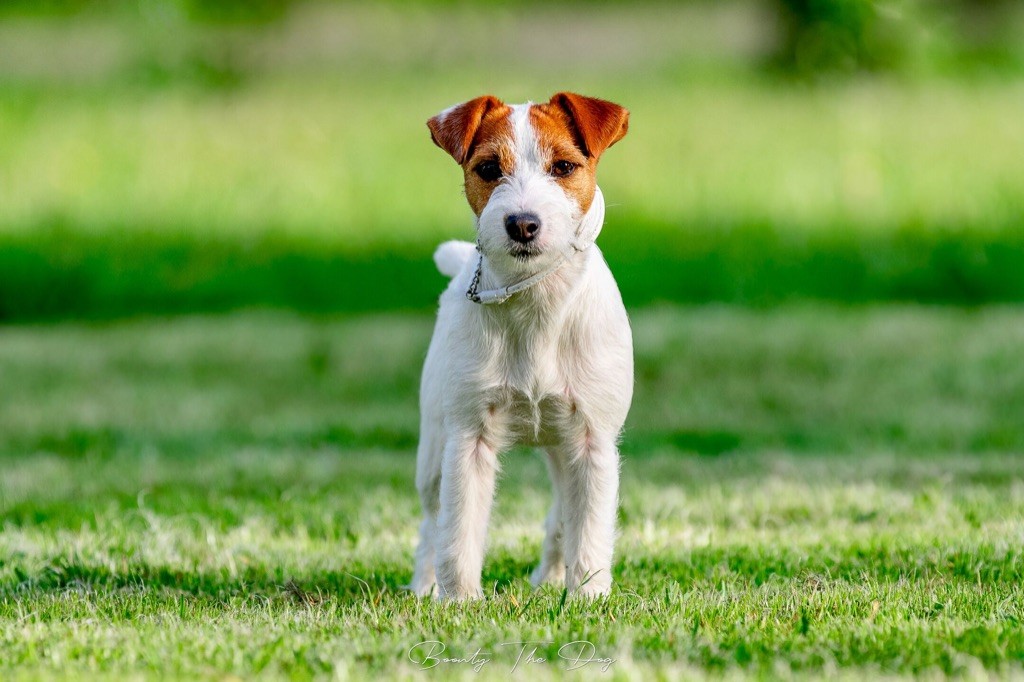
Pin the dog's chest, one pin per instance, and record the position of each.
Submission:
(527, 418)
(530, 394)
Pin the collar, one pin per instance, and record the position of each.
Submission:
(586, 235)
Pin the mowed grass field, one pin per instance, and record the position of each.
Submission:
(215, 285)
(806, 491)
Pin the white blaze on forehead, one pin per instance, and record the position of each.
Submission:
(527, 151)
(531, 186)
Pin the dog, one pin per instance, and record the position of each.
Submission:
(532, 344)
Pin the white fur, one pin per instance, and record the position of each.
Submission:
(450, 257)
(550, 367)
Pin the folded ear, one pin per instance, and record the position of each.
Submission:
(600, 123)
(454, 128)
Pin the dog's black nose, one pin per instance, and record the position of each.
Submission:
(522, 227)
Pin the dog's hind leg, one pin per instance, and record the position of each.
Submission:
(552, 561)
(428, 484)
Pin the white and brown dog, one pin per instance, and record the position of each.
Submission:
(532, 343)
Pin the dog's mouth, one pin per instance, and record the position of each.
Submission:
(523, 252)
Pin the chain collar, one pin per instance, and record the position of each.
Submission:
(586, 234)
(473, 292)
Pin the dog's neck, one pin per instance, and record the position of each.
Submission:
(490, 287)
(550, 292)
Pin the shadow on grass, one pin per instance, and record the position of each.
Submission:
(355, 584)
(106, 442)
(57, 272)
(738, 568)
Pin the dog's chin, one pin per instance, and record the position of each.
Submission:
(524, 254)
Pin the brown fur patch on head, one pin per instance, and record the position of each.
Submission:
(598, 123)
(455, 130)
(494, 141)
(557, 139)
(570, 128)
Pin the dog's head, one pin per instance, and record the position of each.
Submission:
(530, 170)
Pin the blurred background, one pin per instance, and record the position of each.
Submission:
(165, 156)
(216, 293)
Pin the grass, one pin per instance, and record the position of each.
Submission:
(149, 164)
(806, 491)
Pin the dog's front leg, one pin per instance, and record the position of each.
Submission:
(468, 471)
(591, 479)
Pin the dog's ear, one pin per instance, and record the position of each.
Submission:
(599, 123)
(454, 128)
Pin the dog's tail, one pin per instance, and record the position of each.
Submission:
(452, 256)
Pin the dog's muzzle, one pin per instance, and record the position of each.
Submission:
(586, 235)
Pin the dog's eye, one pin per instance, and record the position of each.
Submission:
(489, 171)
(562, 169)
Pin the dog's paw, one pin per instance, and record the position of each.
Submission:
(423, 588)
(588, 591)
(548, 575)
(591, 585)
(460, 594)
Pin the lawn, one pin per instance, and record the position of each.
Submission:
(215, 285)
(806, 490)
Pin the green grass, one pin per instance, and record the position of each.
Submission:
(806, 491)
(148, 164)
